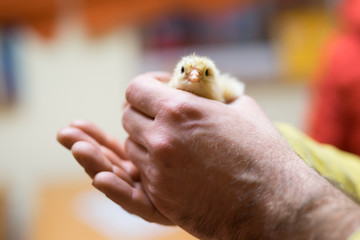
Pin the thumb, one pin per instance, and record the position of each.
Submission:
(247, 105)
(161, 76)
(241, 102)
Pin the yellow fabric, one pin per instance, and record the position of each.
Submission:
(338, 166)
(355, 236)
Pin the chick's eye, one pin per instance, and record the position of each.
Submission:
(182, 69)
(207, 72)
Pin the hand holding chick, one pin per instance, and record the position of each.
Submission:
(199, 75)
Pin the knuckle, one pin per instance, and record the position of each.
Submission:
(127, 145)
(162, 146)
(132, 87)
(124, 119)
(180, 108)
(130, 90)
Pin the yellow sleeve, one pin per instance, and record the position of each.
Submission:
(355, 236)
(340, 167)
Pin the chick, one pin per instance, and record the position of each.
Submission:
(200, 76)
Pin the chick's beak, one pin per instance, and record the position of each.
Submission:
(194, 76)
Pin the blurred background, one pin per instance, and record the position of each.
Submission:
(65, 60)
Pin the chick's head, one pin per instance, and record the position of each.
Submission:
(192, 70)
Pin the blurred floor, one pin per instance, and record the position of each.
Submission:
(74, 210)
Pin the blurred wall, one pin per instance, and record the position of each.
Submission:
(60, 80)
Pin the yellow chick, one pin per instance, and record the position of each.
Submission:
(200, 76)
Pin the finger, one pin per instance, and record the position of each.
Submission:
(147, 94)
(127, 166)
(246, 104)
(133, 200)
(137, 125)
(161, 76)
(90, 158)
(69, 135)
(242, 102)
(137, 153)
(95, 132)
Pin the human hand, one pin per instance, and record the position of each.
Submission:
(216, 170)
(220, 171)
(105, 161)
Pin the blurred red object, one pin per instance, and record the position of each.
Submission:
(335, 114)
(350, 14)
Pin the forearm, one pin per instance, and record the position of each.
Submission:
(308, 208)
(331, 215)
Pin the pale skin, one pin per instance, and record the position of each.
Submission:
(219, 171)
